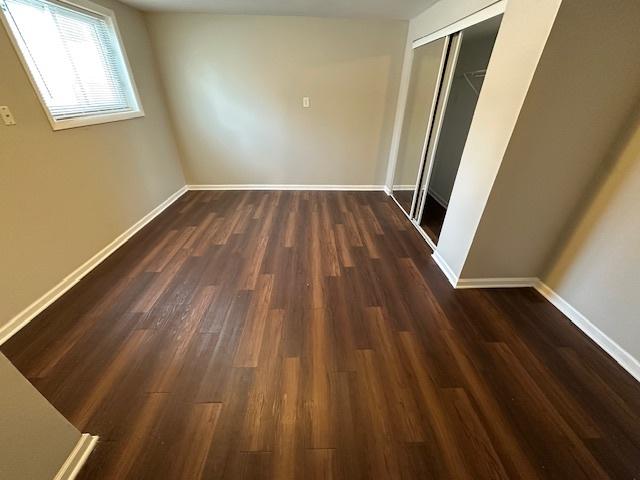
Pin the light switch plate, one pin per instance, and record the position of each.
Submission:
(306, 102)
(7, 116)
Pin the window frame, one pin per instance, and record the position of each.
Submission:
(90, 119)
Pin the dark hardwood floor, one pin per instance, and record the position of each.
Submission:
(404, 198)
(310, 335)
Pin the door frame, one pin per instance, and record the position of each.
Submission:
(486, 13)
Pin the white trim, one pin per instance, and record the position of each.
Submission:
(90, 6)
(508, 282)
(463, 283)
(387, 190)
(77, 458)
(94, 119)
(260, 186)
(24, 317)
(486, 13)
(446, 269)
(619, 354)
(404, 188)
(91, 119)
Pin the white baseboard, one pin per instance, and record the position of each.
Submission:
(387, 190)
(619, 354)
(513, 282)
(77, 458)
(345, 188)
(403, 188)
(460, 283)
(24, 317)
(446, 269)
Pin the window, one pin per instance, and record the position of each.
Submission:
(74, 57)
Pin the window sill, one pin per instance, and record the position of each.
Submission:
(94, 120)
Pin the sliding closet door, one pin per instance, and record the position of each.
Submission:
(426, 77)
(441, 108)
(453, 119)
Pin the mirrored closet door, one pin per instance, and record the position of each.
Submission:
(438, 118)
(426, 76)
(456, 106)
(446, 80)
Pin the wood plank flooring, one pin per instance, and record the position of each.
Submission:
(285, 335)
(404, 198)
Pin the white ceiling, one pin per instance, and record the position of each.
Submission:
(391, 9)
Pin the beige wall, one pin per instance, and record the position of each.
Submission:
(596, 269)
(65, 195)
(581, 95)
(35, 440)
(235, 86)
(522, 37)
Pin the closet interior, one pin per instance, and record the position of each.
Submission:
(446, 80)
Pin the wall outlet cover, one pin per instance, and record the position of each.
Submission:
(7, 116)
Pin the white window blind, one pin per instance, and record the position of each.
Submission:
(74, 58)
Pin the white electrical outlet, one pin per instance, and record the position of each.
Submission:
(6, 115)
(306, 102)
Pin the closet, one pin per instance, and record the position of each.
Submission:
(446, 80)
